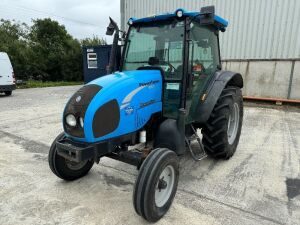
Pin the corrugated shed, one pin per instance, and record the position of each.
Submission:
(258, 29)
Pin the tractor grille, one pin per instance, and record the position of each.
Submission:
(77, 106)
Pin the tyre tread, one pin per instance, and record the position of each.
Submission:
(144, 183)
(214, 132)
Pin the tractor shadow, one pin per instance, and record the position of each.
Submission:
(191, 169)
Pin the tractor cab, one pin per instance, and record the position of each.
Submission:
(183, 47)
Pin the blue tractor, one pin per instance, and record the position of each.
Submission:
(169, 85)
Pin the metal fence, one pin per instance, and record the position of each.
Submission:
(258, 29)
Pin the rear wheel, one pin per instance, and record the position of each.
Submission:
(222, 131)
(156, 184)
(66, 169)
(8, 93)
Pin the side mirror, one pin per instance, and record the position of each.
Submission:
(207, 14)
(111, 27)
(110, 31)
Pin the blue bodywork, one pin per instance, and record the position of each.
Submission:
(222, 22)
(139, 95)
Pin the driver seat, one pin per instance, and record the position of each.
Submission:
(153, 61)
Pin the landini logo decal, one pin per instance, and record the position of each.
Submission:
(129, 97)
(144, 104)
(150, 83)
(129, 110)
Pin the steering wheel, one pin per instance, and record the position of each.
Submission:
(171, 67)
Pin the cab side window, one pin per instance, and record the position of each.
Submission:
(204, 54)
(204, 61)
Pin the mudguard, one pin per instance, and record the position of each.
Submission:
(169, 136)
(220, 80)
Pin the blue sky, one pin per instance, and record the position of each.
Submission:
(82, 18)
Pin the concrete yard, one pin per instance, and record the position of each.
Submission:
(260, 184)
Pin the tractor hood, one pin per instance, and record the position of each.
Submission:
(114, 105)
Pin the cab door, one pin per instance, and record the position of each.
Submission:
(172, 78)
(204, 61)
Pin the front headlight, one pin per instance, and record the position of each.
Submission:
(71, 120)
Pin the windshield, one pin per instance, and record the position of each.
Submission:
(159, 44)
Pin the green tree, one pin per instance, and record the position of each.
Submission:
(57, 55)
(44, 51)
(14, 41)
(95, 40)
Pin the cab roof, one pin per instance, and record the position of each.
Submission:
(220, 23)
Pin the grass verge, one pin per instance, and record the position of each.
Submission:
(40, 84)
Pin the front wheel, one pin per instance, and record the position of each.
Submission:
(221, 133)
(8, 93)
(156, 184)
(66, 169)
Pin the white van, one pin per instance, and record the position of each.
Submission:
(7, 78)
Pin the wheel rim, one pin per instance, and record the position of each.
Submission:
(164, 186)
(233, 123)
(75, 165)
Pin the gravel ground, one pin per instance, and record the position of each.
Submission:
(260, 184)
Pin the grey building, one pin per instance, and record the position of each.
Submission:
(262, 41)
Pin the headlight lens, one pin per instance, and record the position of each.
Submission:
(81, 122)
(130, 21)
(179, 13)
(71, 120)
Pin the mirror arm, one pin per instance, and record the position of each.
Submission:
(113, 27)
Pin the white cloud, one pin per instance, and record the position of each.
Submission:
(82, 18)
